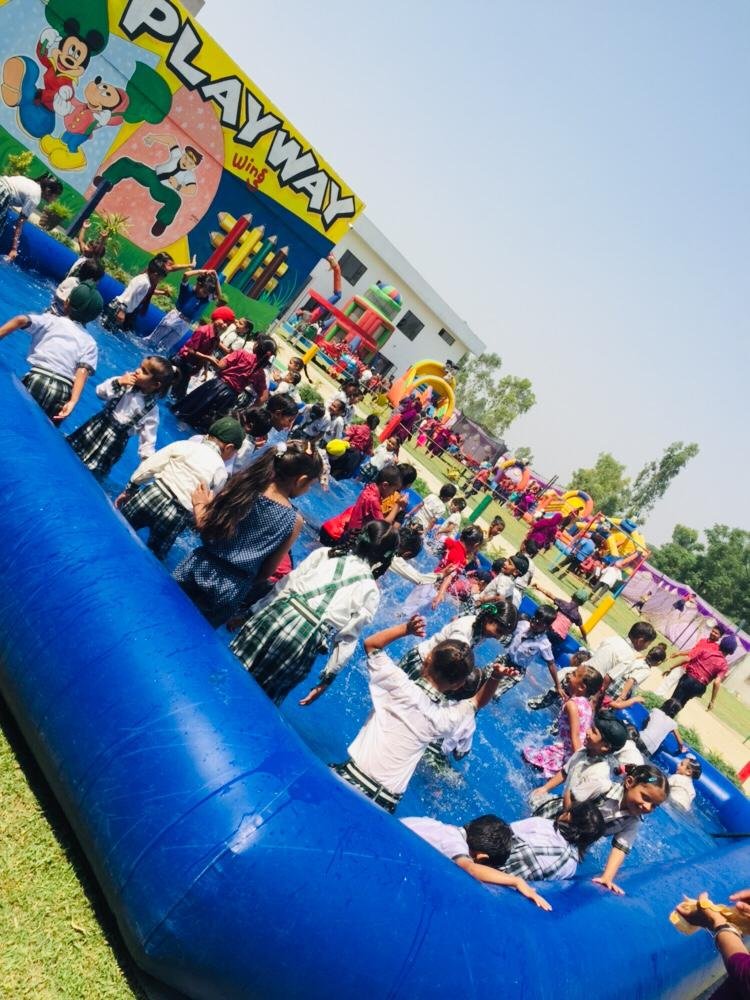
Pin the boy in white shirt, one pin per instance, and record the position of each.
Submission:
(479, 848)
(409, 715)
(165, 504)
(661, 722)
(616, 658)
(504, 583)
(432, 507)
(586, 775)
(62, 353)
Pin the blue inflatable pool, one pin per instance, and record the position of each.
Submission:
(236, 864)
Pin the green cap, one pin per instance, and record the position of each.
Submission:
(227, 430)
(84, 303)
(581, 596)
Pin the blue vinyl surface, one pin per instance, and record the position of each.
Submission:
(236, 864)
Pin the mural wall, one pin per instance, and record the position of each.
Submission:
(135, 106)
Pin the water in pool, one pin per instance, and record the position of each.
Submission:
(492, 778)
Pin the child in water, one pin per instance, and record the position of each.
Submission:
(159, 494)
(480, 847)
(407, 716)
(325, 602)
(132, 408)
(551, 849)
(574, 722)
(62, 353)
(246, 529)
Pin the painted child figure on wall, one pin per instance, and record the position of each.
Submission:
(168, 182)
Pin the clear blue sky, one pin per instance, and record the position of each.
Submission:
(574, 179)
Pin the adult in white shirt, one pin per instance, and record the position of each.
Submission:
(165, 504)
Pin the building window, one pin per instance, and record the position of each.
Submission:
(351, 268)
(447, 337)
(410, 325)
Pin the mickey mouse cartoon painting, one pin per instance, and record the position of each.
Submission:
(35, 89)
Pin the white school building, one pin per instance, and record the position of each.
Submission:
(426, 326)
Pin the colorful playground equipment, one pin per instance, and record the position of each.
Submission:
(361, 328)
(573, 501)
(430, 377)
(514, 472)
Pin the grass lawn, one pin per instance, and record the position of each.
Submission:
(58, 940)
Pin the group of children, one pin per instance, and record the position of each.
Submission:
(235, 483)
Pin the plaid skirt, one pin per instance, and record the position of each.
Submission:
(549, 808)
(51, 391)
(99, 443)
(154, 507)
(411, 664)
(279, 645)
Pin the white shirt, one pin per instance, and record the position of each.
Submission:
(586, 777)
(500, 587)
(460, 629)
(353, 607)
(63, 290)
(335, 429)
(128, 407)
(610, 576)
(614, 657)
(432, 508)
(403, 722)
(656, 730)
(381, 457)
(452, 522)
(287, 389)
(134, 293)
(524, 648)
(60, 346)
(629, 754)
(444, 837)
(681, 790)
(181, 177)
(182, 466)
(25, 194)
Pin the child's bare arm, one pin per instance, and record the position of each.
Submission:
(17, 323)
(491, 876)
(383, 638)
(79, 381)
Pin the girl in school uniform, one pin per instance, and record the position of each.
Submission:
(246, 529)
(62, 353)
(327, 600)
(492, 621)
(132, 408)
(238, 373)
(551, 849)
(136, 297)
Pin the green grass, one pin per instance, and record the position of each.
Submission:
(58, 940)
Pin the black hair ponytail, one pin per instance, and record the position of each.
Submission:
(376, 544)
